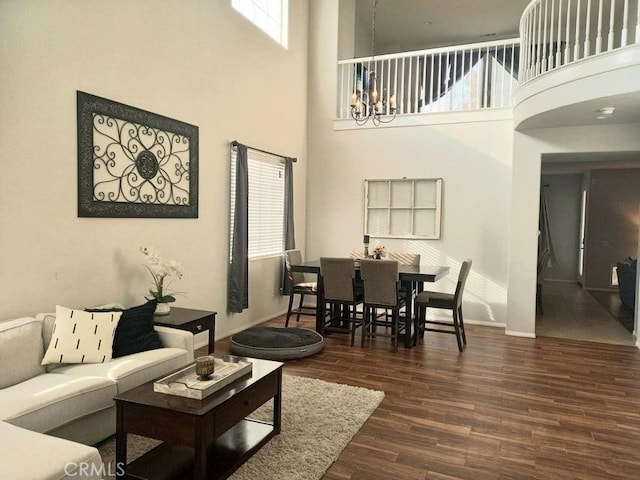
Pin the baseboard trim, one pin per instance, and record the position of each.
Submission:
(560, 280)
(513, 333)
(597, 289)
(484, 323)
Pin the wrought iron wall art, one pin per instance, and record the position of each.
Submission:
(134, 163)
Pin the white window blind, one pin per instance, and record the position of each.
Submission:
(270, 16)
(266, 203)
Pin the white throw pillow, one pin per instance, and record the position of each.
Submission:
(81, 337)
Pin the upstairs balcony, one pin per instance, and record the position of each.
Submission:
(503, 78)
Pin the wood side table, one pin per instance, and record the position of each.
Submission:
(194, 321)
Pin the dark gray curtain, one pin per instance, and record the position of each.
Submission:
(289, 242)
(238, 288)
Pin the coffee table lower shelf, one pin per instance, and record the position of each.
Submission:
(226, 455)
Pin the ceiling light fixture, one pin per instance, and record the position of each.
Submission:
(366, 104)
(605, 113)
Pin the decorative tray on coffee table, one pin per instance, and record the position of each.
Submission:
(186, 383)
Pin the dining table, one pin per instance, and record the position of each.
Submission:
(412, 277)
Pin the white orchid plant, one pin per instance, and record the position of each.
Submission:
(160, 270)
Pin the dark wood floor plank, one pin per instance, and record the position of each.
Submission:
(506, 408)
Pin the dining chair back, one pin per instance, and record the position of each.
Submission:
(299, 286)
(381, 290)
(338, 275)
(449, 301)
(338, 283)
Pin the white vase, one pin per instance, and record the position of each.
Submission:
(163, 308)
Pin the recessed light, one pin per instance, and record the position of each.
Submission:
(606, 110)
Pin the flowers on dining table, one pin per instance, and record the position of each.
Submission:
(161, 270)
(379, 251)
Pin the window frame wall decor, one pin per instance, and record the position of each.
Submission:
(406, 208)
(134, 163)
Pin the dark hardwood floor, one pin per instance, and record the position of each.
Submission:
(506, 408)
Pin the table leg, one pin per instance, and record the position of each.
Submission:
(277, 405)
(121, 445)
(200, 455)
(320, 308)
(212, 338)
(408, 313)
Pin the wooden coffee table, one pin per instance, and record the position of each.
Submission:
(203, 439)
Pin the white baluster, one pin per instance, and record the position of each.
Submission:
(462, 64)
(599, 29)
(567, 49)
(611, 18)
(431, 87)
(559, 40)
(401, 104)
(576, 48)
(389, 90)
(637, 39)
(417, 86)
(478, 92)
(625, 22)
(485, 102)
(424, 81)
(513, 52)
(544, 36)
(587, 31)
(550, 63)
(538, 35)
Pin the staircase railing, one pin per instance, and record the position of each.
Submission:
(464, 77)
(555, 33)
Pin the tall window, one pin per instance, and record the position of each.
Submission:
(270, 16)
(266, 203)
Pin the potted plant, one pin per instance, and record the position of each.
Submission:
(161, 270)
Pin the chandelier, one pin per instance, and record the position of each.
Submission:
(366, 104)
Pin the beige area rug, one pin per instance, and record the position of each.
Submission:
(319, 419)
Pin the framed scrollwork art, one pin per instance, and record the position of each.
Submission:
(134, 163)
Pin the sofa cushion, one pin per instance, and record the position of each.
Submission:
(135, 331)
(50, 400)
(81, 337)
(132, 370)
(21, 347)
(30, 455)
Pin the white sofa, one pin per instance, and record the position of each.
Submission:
(72, 402)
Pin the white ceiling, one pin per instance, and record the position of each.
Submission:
(405, 25)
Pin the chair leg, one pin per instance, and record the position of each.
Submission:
(464, 336)
(457, 328)
(365, 326)
(300, 307)
(396, 327)
(352, 326)
(286, 323)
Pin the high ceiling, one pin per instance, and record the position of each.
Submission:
(405, 25)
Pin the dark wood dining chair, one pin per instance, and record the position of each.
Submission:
(338, 277)
(381, 283)
(299, 285)
(449, 301)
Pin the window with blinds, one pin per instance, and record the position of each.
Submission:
(266, 203)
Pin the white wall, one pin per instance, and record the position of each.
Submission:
(473, 158)
(199, 62)
(529, 146)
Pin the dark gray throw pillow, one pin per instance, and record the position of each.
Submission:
(135, 331)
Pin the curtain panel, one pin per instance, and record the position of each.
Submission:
(238, 282)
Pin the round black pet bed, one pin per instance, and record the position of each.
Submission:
(276, 343)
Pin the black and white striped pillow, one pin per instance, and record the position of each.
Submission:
(81, 337)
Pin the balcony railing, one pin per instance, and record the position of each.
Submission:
(558, 32)
(465, 77)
